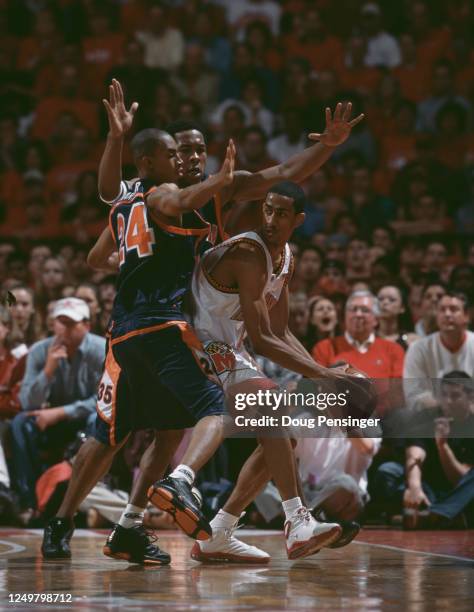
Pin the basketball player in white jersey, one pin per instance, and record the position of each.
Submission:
(241, 288)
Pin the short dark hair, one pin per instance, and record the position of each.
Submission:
(146, 141)
(255, 129)
(462, 297)
(291, 190)
(456, 374)
(433, 281)
(455, 378)
(183, 125)
(308, 246)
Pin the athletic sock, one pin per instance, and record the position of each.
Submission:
(184, 472)
(290, 506)
(132, 516)
(223, 520)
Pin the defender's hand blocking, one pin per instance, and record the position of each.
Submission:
(338, 127)
(226, 173)
(120, 120)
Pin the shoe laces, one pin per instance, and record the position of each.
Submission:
(229, 531)
(147, 533)
(302, 515)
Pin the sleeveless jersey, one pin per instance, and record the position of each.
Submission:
(156, 264)
(217, 312)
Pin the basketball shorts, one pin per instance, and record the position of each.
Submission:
(152, 380)
(235, 370)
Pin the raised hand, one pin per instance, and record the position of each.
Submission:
(226, 173)
(338, 126)
(120, 119)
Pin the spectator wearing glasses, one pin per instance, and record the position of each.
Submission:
(359, 346)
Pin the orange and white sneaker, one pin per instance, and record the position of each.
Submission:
(305, 536)
(224, 547)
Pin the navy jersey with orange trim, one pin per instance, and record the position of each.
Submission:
(156, 264)
(131, 191)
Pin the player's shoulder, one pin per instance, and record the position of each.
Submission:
(247, 248)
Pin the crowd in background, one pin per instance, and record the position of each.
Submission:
(391, 214)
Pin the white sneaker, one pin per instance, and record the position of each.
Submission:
(225, 547)
(305, 536)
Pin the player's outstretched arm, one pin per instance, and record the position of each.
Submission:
(120, 121)
(250, 272)
(171, 201)
(253, 186)
(102, 256)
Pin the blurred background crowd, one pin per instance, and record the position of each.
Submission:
(390, 215)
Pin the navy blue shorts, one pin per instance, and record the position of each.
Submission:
(152, 380)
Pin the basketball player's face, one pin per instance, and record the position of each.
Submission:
(279, 219)
(193, 155)
(163, 165)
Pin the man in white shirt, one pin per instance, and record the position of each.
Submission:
(451, 348)
(163, 45)
(382, 47)
(333, 471)
(240, 14)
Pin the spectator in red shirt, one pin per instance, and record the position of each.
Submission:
(359, 346)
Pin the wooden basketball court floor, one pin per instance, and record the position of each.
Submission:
(381, 570)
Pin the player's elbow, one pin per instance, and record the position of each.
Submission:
(108, 195)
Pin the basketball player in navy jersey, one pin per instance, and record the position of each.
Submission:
(149, 352)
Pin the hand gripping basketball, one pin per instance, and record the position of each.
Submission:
(362, 397)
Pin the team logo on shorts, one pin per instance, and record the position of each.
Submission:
(222, 356)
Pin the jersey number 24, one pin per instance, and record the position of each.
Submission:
(136, 234)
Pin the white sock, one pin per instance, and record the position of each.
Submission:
(223, 520)
(131, 516)
(184, 472)
(290, 506)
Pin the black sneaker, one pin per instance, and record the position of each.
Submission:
(56, 537)
(135, 545)
(175, 496)
(349, 531)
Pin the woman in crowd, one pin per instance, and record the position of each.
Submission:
(26, 323)
(90, 295)
(53, 279)
(393, 318)
(322, 320)
(7, 360)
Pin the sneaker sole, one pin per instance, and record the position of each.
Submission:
(56, 556)
(345, 539)
(218, 557)
(314, 544)
(124, 556)
(187, 520)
